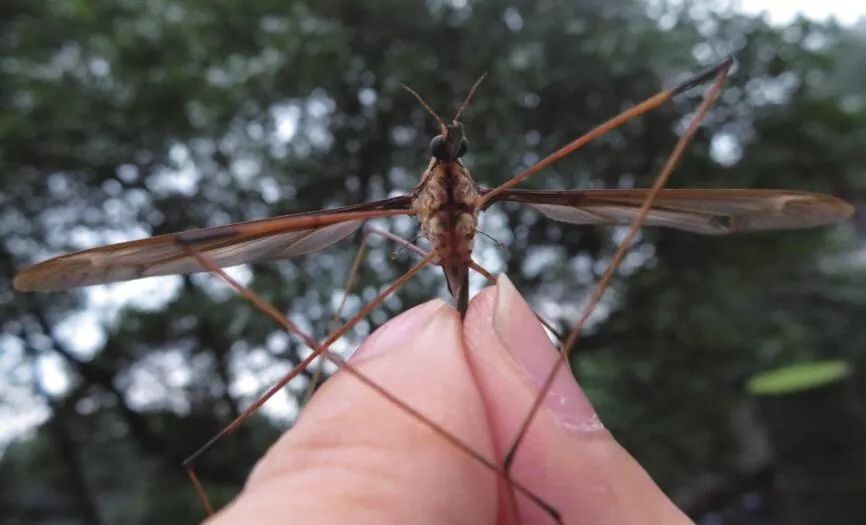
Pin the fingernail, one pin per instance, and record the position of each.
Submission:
(398, 331)
(522, 335)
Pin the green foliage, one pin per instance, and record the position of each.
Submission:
(125, 118)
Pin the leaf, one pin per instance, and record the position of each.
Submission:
(798, 377)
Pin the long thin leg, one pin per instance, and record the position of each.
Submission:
(290, 327)
(316, 378)
(721, 74)
(404, 244)
(322, 350)
(648, 104)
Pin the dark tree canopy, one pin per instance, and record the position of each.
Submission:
(124, 118)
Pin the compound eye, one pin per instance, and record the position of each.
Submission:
(464, 146)
(438, 149)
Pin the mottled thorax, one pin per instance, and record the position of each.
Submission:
(446, 203)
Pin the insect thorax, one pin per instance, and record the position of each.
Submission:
(446, 202)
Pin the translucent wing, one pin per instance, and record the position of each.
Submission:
(707, 211)
(230, 245)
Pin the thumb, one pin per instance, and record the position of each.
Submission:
(355, 457)
(567, 457)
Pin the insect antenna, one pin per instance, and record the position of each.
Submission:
(426, 106)
(469, 96)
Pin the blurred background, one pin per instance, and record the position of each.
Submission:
(122, 119)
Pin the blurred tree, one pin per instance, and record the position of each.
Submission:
(125, 118)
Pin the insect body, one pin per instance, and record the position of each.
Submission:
(446, 202)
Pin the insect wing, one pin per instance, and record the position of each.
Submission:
(230, 245)
(705, 211)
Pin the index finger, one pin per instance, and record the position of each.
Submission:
(353, 457)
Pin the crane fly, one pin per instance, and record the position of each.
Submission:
(447, 202)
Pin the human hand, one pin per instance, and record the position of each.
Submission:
(353, 457)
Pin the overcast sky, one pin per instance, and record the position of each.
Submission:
(783, 11)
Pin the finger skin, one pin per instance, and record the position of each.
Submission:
(568, 457)
(353, 457)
